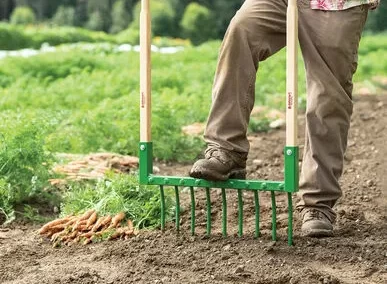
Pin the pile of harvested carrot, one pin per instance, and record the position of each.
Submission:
(87, 228)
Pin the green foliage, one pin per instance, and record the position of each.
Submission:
(45, 71)
(64, 16)
(371, 58)
(95, 115)
(120, 16)
(99, 15)
(81, 13)
(23, 15)
(65, 35)
(198, 23)
(259, 125)
(376, 21)
(224, 11)
(162, 14)
(96, 21)
(14, 37)
(130, 35)
(7, 202)
(24, 163)
(118, 193)
(93, 94)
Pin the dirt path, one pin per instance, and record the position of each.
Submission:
(356, 254)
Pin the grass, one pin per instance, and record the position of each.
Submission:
(79, 101)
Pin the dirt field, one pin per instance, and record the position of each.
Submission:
(356, 254)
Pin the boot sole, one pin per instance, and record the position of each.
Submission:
(214, 176)
(317, 233)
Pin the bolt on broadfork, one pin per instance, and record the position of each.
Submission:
(291, 173)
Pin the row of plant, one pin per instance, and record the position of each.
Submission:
(91, 98)
(14, 37)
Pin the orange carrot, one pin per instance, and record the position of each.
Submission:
(78, 224)
(83, 219)
(64, 238)
(107, 220)
(76, 240)
(73, 235)
(87, 215)
(117, 234)
(97, 224)
(129, 230)
(53, 230)
(57, 235)
(83, 228)
(51, 224)
(102, 225)
(91, 220)
(130, 225)
(72, 220)
(88, 234)
(117, 219)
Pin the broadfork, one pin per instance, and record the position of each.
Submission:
(291, 151)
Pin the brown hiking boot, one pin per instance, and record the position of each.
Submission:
(315, 224)
(220, 165)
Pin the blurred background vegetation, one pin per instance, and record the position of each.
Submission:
(198, 20)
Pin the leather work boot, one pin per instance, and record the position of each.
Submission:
(220, 165)
(315, 224)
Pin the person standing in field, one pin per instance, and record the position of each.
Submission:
(329, 36)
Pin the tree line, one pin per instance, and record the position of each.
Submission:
(198, 20)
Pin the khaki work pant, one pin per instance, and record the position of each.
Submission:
(329, 43)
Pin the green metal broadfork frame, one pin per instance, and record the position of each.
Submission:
(289, 186)
(291, 174)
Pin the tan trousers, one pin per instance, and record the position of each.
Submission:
(329, 43)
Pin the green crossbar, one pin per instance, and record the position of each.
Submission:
(289, 186)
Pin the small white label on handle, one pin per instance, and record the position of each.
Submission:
(290, 100)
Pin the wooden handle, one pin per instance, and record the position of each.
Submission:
(145, 72)
(292, 74)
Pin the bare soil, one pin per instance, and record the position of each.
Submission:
(356, 254)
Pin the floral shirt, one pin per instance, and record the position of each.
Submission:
(334, 5)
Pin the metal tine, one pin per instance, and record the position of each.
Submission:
(257, 212)
(240, 213)
(208, 197)
(224, 213)
(162, 200)
(274, 217)
(290, 219)
(177, 208)
(193, 208)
